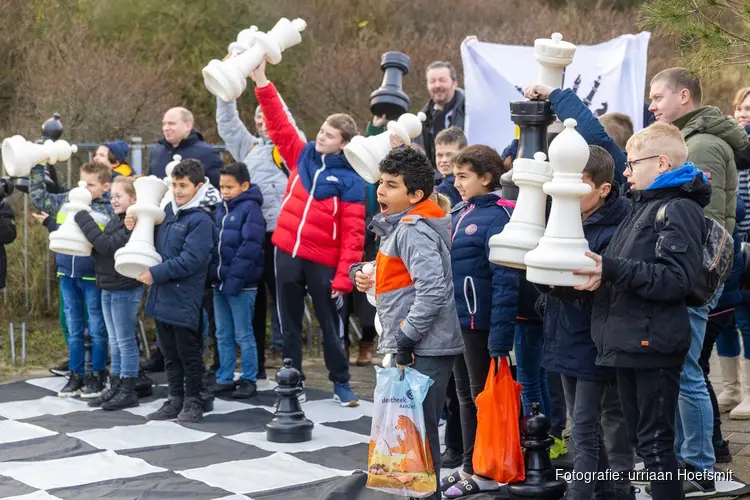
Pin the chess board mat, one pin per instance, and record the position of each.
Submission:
(54, 448)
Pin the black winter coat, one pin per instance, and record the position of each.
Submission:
(7, 235)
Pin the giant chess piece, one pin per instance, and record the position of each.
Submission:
(390, 99)
(69, 239)
(541, 479)
(20, 155)
(227, 79)
(289, 424)
(366, 153)
(139, 254)
(563, 247)
(168, 180)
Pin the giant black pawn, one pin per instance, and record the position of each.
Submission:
(390, 99)
(289, 424)
(541, 477)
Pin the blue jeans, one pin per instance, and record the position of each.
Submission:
(120, 308)
(694, 422)
(728, 341)
(80, 297)
(529, 344)
(234, 323)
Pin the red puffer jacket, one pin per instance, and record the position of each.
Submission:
(322, 216)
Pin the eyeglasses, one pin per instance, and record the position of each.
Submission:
(634, 162)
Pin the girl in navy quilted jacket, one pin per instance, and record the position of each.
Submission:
(236, 270)
(486, 296)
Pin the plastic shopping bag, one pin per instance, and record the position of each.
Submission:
(497, 445)
(399, 460)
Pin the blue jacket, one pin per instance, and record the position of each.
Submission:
(448, 189)
(239, 236)
(565, 104)
(732, 294)
(568, 347)
(486, 294)
(193, 146)
(185, 242)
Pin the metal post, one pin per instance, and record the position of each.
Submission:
(47, 286)
(91, 155)
(23, 343)
(12, 344)
(136, 155)
(68, 180)
(26, 251)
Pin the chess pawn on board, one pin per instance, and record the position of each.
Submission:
(69, 239)
(139, 254)
(563, 247)
(289, 424)
(390, 99)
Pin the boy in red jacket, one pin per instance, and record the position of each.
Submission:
(319, 234)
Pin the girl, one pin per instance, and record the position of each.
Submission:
(121, 297)
(486, 296)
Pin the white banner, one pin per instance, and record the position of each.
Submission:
(608, 77)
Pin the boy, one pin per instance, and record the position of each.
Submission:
(114, 154)
(448, 143)
(319, 234)
(78, 290)
(591, 390)
(236, 270)
(639, 320)
(185, 241)
(618, 126)
(414, 285)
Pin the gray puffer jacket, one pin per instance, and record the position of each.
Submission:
(257, 154)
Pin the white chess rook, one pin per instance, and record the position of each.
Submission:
(366, 153)
(20, 155)
(526, 225)
(228, 79)
(69, 239)
(139, 254)
(563, 247)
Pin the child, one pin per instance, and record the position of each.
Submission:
(78, 289)
(236, 271)
(486, 295)
(591, 390)
(319, 234)
(115, 155)
(448, 144)
(185, 241)
(121, 298)
(416, 305)
(639, 319)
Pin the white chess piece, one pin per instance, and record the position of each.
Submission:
(245, 41)
(553, 55)
(139, 254)
(366, 153)
(563, 247)
(69, 239)
(20, 155)
(369, 270)
(526, 225)
(227, 79)
(168, 180)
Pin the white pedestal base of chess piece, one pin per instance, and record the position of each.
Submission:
(563, 247)
(20, 155)
(168, 181)
(69, 239)
(526, 225)
(139, 254)
(365, 153)
(227, 79)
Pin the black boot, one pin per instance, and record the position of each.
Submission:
(192, 411)
(126, 397)
(168, 411)
(94, 385)
(109, 393)
(144, 386)
(155, 363)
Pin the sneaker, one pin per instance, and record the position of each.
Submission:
(451, 458)
(559, 448)
(168, 411)
(698, 486)
(60, 370)
(245, 389)
(344, 395)
(73, 387)
(94, 385)
(192, 411)
(126, 397)
(155, 363)
(108, 393)
(722, 453)
(218, 388)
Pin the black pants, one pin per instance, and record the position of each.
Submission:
(559, 414)
(268, 280)
(453, 433)
(470, 370)
(183, 359)
(649, 402)
(716, 324)
(295, 278)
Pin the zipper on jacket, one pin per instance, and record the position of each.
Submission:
(73, 267)
(291, 190)
(307, 206)
(221, 235)
(468, 280)
(335, 211)
(458, 224)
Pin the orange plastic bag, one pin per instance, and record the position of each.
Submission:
(497, 446)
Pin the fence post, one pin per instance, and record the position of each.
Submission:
(70, 173)
(137, 155)
(26, 251)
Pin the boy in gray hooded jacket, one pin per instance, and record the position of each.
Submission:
(413, 280)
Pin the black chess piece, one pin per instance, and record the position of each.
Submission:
(52, 130)
(533, 118)
(541, 477)
(390, 99)
(289, 424)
